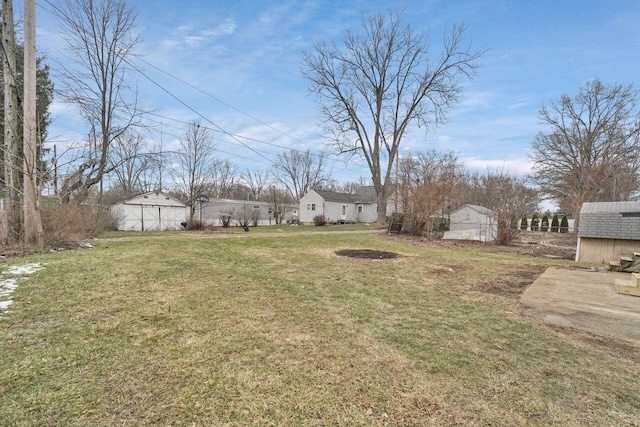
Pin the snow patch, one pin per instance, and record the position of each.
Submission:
(7, 286)
(18, 270)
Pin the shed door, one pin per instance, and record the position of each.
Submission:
(151, 218)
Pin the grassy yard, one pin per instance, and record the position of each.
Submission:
(263, 329)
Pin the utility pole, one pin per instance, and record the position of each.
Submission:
(33, 232)
(55, 170)
(11, 153)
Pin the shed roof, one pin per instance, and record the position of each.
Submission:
(610, 220)
(157, 198)
(480, 209)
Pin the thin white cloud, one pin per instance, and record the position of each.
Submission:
(189, 36)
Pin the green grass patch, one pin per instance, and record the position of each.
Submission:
(262, 330)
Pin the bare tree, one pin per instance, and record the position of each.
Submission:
(591, 151)
(256, 182)
(384, 80)
(100, 38)
(196, 162)
(129, 161)
(299, 172)
(429, 184)
(505, 194)
(281, 202)
(224, 179)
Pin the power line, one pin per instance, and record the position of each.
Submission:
(191, 108)
(224, 103)
(325, 155)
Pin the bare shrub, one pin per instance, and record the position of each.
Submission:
(69, 224)
(319, 220)
(255, 217)
(429, 184)
(226, 217)
(195, 225)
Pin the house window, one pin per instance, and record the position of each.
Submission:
(256, 207)
(359, 208)
(308, 206)
(344, 210)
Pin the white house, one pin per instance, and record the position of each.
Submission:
(255, 213)
(472, 222)
(342, 207)
(152, 211)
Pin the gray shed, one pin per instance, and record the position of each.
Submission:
(607, 230)
(472, 222)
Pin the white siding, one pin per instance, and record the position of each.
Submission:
(368, 213)
(150, 212)
(309, 199)
(469, 224)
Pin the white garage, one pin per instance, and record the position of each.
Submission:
(153, 211)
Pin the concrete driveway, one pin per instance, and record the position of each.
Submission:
(584, 300)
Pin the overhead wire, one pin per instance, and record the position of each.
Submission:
(168, 92)
(224, 103)
(235, 136)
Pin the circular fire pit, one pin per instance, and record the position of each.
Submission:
(366, 254)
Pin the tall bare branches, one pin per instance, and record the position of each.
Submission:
(300, 171)
(381, 81)
(591, 150)
(100, 38)
(196, 163)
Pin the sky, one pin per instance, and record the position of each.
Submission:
(236, 67)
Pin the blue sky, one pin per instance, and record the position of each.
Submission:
(244, 57)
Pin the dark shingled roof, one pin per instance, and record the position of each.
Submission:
(365, 194)
(332, 196)
(610, 220)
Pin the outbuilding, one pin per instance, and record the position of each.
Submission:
(216, 212)
(343, 207)
(152, 211)
(607, 230)
(472, 222)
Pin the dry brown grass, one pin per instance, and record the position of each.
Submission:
(273, 330)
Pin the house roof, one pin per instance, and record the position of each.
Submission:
(367, 194)
(610, 220)
(364, 194)
(333, 196)
(480, 209)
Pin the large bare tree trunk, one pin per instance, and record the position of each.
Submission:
(11, 152)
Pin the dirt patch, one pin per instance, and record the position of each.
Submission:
(366, 254)
(511, 285)
(530, 244)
